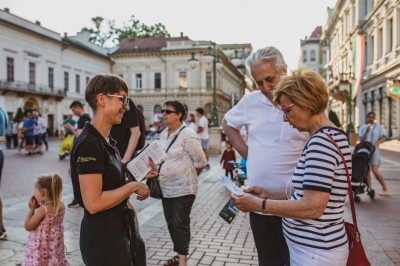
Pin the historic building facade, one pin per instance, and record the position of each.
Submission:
(361, 46)
(157, 69)
(310, 52)
(40, 70)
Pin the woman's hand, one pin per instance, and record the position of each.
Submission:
(257, 191)
(247, 202)
(153, 171)
(142, 190)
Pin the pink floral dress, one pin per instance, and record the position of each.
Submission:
(45, 244)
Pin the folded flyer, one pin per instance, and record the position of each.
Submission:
(140, 166)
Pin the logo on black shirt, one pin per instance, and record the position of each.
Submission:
(85, 159)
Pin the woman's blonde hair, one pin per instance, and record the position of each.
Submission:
(305, 88)
(52, 183)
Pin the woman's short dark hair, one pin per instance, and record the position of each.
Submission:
(103, 84)
(371, 113)
(200, 110)
(179, 108)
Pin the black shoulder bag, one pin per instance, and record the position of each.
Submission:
(154, 183)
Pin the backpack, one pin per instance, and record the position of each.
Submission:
(142, 128)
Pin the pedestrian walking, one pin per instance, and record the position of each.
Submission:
(44, 222)
(228, 156)
(273, 148)
(202, 131)
(313, 202)
(372, 132)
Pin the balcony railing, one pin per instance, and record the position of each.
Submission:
(25, 87)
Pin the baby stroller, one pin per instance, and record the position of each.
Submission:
(240, 171)
(360, 161)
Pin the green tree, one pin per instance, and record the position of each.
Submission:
(334, 118)
(106, 32)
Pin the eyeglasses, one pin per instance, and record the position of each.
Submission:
(284, 108)
(123, 99)
(168, 111)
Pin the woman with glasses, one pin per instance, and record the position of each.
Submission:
(313, 202)
(178, 177)
(98, 178)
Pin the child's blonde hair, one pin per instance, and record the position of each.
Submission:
(52, 183)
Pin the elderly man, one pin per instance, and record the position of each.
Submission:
(273, 149)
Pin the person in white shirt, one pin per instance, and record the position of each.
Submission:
(192, 122)
(273, 148)
(202, 131)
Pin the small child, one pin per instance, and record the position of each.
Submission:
(44, 222)
(228, 155)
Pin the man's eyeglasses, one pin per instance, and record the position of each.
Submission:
(284, 108)
(168, 111)
(123, 99)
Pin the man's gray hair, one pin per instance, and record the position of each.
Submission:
(35, 113)
(266, 54)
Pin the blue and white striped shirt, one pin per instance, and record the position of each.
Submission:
(321, 168)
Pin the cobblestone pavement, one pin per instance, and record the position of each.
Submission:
(214, 242)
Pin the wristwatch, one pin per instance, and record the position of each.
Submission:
(264, 206)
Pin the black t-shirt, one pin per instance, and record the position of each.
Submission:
(122, 132)
(92, 154)
(82, 120)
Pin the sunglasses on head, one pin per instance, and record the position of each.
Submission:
(168, 111)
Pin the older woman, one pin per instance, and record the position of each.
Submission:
(98, 179)
(178, 177)
(313, 203)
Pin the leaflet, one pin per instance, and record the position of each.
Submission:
(230, 185)
(140, 166)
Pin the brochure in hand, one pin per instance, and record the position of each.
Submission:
(230, 185)
(228, 213)
(139, 166)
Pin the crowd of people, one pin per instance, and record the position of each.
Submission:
(296, 186)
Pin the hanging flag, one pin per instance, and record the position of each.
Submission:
(358, 46)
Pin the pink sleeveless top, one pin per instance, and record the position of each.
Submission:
(45, 244)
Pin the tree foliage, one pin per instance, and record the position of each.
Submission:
(105, 32)
(334, 118)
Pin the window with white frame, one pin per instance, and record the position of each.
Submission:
(32, 73)
(51, 77)
(182, 79)
(139, 81)
(208, 80)
(157, 80)
(77, 83)
(389, 39)
(304, 56)
(87, 80)
(66, 81)
(10, 69)
(312, 56)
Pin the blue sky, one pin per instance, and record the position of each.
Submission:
(281, 23)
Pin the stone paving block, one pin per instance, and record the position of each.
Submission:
(197, 255)
(392, 254)
(242, 257)
(207, 260)
(233, 260)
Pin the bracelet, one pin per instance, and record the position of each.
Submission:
(264, 206)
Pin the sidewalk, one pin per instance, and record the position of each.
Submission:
(214, 242)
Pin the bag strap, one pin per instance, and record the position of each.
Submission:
(351, 197)
(169, 146)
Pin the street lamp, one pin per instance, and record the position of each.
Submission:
(210, 58)
(350, 127)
